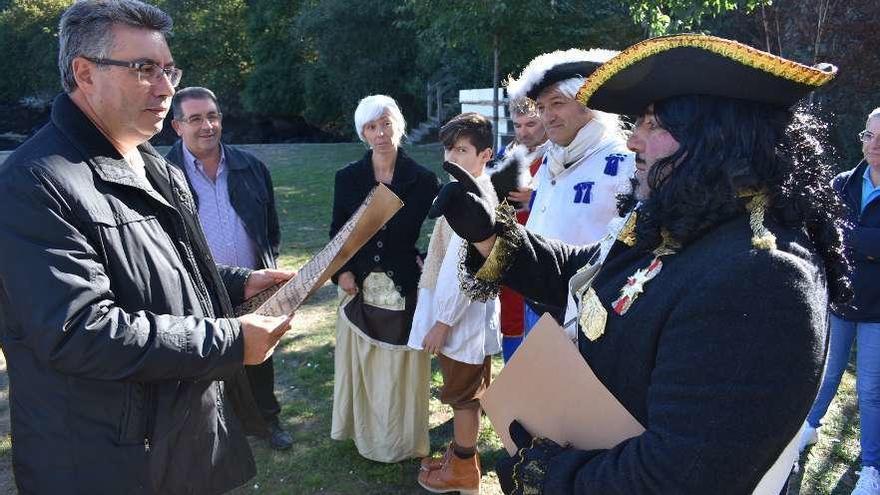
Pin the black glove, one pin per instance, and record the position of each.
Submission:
(466, 206)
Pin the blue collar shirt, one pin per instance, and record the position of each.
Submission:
(224, 230)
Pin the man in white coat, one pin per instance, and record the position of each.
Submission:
(587, 164)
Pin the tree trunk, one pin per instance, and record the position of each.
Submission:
(766, 29)
(495, 49)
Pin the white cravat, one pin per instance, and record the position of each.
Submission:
(584, 143)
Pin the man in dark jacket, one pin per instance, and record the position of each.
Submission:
(233, 192)
(707, 318)
(859, 320)
(860, 190)
(114, 319)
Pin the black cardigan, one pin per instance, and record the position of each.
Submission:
(394, 246)
(719, 359)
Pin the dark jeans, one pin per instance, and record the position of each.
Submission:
(262, 379)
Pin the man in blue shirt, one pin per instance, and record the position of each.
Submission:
(236, 206)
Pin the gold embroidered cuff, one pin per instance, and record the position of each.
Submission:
(484, 283)
(531, 468)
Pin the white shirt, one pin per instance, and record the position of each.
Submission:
(576, 205)
(476, 326)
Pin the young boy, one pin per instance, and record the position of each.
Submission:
(463, 333)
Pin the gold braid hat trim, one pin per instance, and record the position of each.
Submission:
(744, 54)
(502, 252)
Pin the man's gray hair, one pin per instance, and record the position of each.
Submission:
(191, 93)
(874, 113)
(85, 30)
(569, 87)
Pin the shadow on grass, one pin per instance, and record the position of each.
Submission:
(829, 466)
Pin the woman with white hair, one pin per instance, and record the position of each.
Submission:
(380, 397)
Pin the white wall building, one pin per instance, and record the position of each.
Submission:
(480, 101)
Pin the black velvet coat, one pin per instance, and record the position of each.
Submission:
(719, 359)
(394, 246)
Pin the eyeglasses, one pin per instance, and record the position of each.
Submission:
(197, 120)
(866, 136)
(146, 70)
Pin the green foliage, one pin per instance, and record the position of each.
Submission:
(275, 85)
(211, 45)
(353, 48)
(29, 40)
(316, 58)
(812, 31)
(660, 17)
(452, 31)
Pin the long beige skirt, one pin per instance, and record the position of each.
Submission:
(380, 394)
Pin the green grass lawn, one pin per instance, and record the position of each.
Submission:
(830, 466)
(303, 177)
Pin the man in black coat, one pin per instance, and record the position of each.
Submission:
(707, 318)
(233, 192)
(114, 320)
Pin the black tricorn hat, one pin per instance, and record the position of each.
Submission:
(562, 72)
(696, 64)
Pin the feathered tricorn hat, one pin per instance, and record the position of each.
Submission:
(691, 64)
(550, 68)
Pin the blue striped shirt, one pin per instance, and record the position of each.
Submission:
(226, 234)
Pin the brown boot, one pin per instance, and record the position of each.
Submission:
(432, 463)
(455, 475)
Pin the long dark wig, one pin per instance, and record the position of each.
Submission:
(730, 146)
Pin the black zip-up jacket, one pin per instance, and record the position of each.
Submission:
(110, 320)
(394, 246)
(250, 192)
(863, 247)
